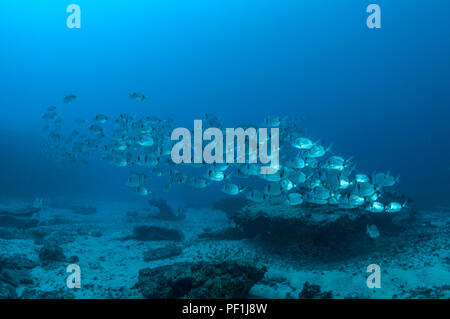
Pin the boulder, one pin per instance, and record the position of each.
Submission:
(84, 210)
(202, 280)
(314, 292)
(307, 224)
(162, 253)
(51, 253)
(17, 222)
(155, 233)
(165, 211)
(229, 233)
(17, 262)
(7, 233)
(14, 272)
(27, 211)
(7, 291)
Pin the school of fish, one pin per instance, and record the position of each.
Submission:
(308, 173)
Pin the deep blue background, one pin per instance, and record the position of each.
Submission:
(381, 96)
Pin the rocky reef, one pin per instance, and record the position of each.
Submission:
(15, 272)
(165, 211)
(20, 218)
(253, 251)
(207, 280)
(155, 233)
(306, 224)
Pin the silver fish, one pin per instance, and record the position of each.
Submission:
(372, 231)
(198, 182)
(273, 189)
(137, 96)
(232, 189)
(302, 143)
(365, 189)
(69, 98)
(375, 207)
(142, 190)
(100, 119)
(294, 199)
(256, 196)
(394, 207)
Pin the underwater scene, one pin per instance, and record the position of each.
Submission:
(239, 149)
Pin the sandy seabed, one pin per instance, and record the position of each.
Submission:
(417, 265)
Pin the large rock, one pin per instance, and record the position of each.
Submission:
(209, 280)
(314, 292)
(165, 211)
(307, 224)
(17, 222)
(51, 253)
(162, 252)
(7, 291)
(14, 272)
(84, 210)
(17, 262)
(229, 233)
(8, 233)
(155, 233)
(27, 211)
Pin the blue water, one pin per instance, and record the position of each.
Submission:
(380, 96)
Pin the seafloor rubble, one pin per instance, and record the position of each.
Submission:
(216, 280)
(306, 252)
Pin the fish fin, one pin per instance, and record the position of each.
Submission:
(243, 189)
(328, 150)
(348, 161)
